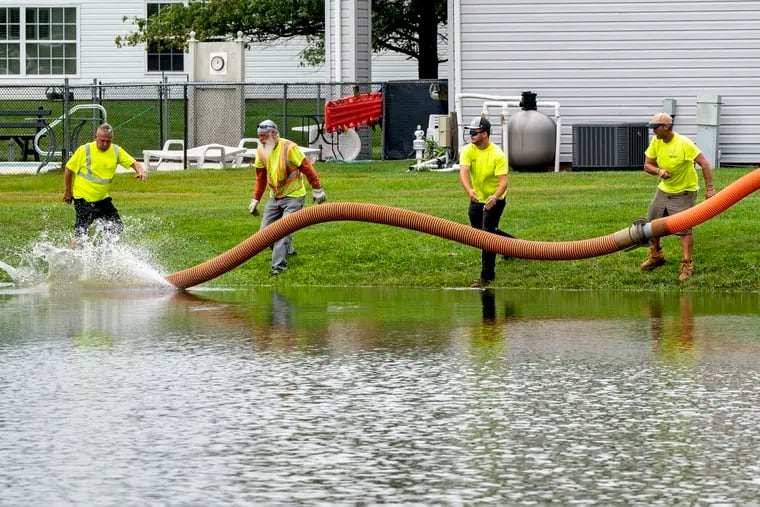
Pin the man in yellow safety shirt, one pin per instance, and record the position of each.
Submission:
(87, 180)
(483, 172)
(671, 157)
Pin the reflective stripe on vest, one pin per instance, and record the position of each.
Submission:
(285, 174)
(87, 173)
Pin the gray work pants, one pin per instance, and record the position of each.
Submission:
(274, 210)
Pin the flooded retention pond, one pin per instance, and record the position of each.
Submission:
(268, 396)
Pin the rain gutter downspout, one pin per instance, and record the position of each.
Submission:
(338, 42)
(458, 58)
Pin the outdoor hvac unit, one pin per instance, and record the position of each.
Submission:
(618, 146)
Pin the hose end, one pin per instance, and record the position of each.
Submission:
(640, 233)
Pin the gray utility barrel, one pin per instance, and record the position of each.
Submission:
(531, 136)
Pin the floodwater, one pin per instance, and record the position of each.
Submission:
(124, 395)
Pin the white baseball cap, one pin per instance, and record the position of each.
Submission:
(267, 126)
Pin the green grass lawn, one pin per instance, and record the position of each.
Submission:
(187, 217)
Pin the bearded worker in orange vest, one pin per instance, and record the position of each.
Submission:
(281, 166)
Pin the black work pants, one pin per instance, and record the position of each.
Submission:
(88, 212)
(487, 220)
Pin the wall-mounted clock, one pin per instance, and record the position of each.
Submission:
(217, 63)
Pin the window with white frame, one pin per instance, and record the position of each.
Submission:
(162, 57)
(10, 41)
(38, 41)
(51, 40)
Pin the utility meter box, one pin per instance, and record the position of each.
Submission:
(708, 128)
(440, 130)
(708, 110)
(444, 131)
(669, 106)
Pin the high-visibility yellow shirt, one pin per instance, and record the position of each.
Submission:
(285, 180)
(485, 168)
(93, 177)
(677, 157)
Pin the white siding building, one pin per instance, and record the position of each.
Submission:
(615, 61)
(75, 39)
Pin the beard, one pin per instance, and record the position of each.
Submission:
(267, 146)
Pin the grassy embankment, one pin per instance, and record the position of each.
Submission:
(187, 217)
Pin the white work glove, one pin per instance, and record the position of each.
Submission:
(252, 207)
(318, 195)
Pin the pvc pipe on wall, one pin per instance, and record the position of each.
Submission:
(503, 117)
(460, 96)
(558, 123)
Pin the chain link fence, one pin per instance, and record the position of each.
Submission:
(41, 125)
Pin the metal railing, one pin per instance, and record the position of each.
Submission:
(70, 136)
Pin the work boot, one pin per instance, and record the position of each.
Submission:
(655, 259)
(480, 283)
(687, 269)
(274, 273)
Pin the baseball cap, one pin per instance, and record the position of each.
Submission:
(660, 119)
(266, 126)
(481, 123)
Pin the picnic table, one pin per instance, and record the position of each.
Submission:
(21, 127)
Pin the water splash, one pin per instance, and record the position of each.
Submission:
(12, 272)
(102, 261)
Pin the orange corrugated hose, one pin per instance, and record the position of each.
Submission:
(709, 208)
(635, 235)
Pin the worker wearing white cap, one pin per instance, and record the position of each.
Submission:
(281, 165)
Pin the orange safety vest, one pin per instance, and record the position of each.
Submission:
(285, 174)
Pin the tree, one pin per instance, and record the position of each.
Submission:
(410, 27)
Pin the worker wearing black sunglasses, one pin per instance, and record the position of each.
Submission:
(483, 173)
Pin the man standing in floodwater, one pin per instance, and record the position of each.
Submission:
(483, 174)
(87, 180)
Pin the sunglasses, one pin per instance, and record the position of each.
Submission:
(476, 132)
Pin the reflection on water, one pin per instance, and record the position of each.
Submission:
(674, 337)
(363, 396)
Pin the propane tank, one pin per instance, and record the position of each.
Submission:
(531, 137)
(419, 143)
